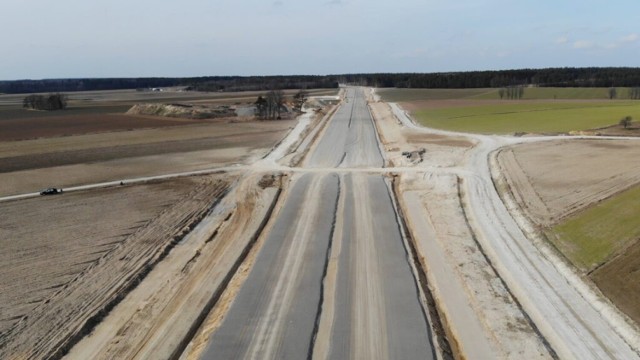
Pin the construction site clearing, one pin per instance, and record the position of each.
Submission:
(160, 266)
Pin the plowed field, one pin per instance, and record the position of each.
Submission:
(67, 259)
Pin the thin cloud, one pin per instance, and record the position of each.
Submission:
(582, 44)
(630, 38)
(562, 40)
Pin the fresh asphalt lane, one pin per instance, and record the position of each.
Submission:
(275, 311)
(350, 138)
(373, 310)
(377, 311)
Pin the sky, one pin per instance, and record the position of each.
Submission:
(140, 38)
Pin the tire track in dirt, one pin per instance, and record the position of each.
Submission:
(61, 321)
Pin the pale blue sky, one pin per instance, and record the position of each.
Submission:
(130, 38)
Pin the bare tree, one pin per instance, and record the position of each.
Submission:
(626, 121)
(613, 93)
(275, 101)
(261, 107)
(512, 92)
(300, 97)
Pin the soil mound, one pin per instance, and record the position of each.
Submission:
(186, 111)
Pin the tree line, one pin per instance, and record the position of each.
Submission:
(259, 83)
(207, 83)
(550, 77)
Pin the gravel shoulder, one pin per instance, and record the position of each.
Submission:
(484, 319)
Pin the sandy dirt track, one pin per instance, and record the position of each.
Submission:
(552, 180)
(61, 316)
(482, 316)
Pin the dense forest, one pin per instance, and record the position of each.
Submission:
(552, 77)
(209, 83)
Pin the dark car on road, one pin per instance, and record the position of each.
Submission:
(51, 191)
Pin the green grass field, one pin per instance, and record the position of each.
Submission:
(594, 235)
(536, 93)
(529, 117)
(400, 95)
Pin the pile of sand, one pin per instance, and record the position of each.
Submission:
(183, 111)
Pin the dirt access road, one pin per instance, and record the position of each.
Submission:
(572, 318)
(332, 279)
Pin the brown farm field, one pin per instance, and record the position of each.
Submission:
(57, 273)
(28, 166)
(94, 141)
(553, 180)
(66, 125)
(96, 112)
(582, 194)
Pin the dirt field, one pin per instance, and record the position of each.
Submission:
(27, 166)
(572, 191)
(59, 275)
(94, 141)
(554, 180)
(104, 111)
(618, 279)
(67, 125)
(205, 142)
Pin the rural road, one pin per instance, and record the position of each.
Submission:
(332, 279)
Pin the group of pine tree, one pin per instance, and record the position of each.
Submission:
(551, 77)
